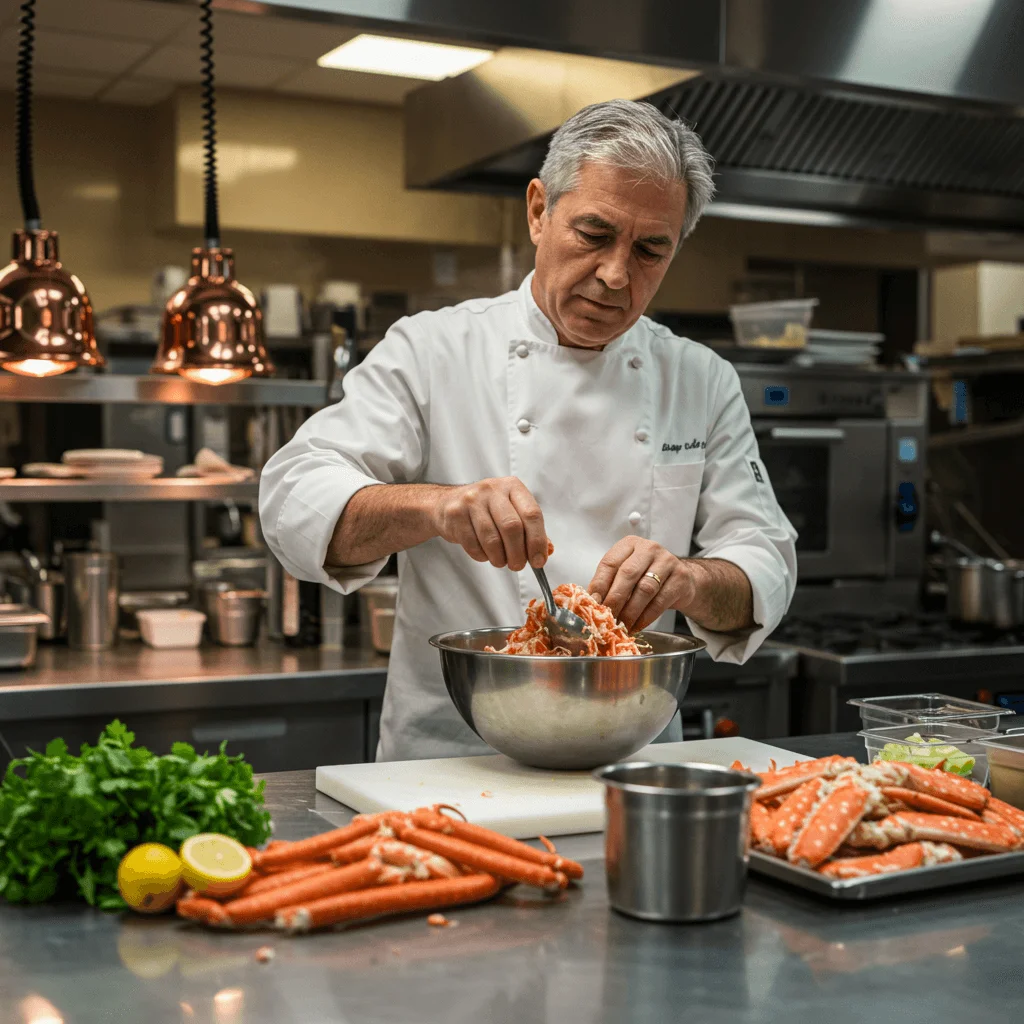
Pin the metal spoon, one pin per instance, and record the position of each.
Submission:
(565, 628)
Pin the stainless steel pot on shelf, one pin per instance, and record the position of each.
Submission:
(985, 591)
(234, 615)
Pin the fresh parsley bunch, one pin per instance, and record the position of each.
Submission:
(66, 821)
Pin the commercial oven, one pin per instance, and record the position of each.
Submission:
(845, 452)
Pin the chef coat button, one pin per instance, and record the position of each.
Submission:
(641, 436)
(636, 362)
(522, 351)
(635, 519)
(523, 426)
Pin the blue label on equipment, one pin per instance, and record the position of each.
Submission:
(908, 449)
(776, 394)
(959, 401)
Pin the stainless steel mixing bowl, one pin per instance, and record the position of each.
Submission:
(565, 713)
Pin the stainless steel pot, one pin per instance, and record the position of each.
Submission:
(235, 616)
(1004, 593)
(985, 591)
(966, 598)
(676, 839)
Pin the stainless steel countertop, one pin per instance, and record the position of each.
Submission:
(135, 678)
(524, 960)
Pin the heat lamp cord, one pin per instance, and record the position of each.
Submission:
(26, 179)
(212, 218)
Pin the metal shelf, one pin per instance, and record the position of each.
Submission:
(85, 387)
(161, 489)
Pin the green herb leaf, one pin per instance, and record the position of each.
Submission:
(66, 821)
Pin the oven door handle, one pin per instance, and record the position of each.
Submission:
(828, 434)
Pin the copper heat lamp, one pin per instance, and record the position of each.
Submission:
(213, 327)
(45, 313)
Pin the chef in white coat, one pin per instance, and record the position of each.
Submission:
(472, 435)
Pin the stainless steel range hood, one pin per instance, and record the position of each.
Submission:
(908, 111)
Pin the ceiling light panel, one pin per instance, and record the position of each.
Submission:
(407, 58)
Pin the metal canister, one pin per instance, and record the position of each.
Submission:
(49, 597)
(965, 580)
(235, 621)
(676, 839)
(92, 593)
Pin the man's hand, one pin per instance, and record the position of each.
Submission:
(635, 598)
(496, 520)
(712, 592)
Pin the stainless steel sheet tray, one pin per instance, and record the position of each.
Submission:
(896, 883)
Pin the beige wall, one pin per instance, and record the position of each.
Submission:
(104, 183)
(977, 300)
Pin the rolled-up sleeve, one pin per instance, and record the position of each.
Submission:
(739, 520)
(376, 434)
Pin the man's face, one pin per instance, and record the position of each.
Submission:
(603, 250)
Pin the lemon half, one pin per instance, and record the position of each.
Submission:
(215, 865)
(149, 878)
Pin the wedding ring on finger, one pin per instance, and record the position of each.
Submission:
(654, 576)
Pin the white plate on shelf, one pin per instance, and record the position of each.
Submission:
(6, 472)
(92, 456)
(126, 472)
(51, 471)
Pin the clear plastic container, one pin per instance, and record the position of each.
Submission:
(171, 627)
(773, 324)
(1006, 765)
(936, 708)
(963, 737)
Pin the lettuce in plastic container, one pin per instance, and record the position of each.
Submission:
(929, 752)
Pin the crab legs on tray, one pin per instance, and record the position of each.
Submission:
(829, 813)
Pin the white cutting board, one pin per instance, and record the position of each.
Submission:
(508, 797)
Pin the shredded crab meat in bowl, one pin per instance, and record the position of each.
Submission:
(608, 638)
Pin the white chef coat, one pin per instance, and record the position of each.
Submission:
(648, 437)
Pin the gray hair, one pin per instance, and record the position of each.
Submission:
(636, 136)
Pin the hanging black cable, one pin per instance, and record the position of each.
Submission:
(26, 179)
(212, 219)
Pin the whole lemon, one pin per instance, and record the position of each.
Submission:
(149, 878)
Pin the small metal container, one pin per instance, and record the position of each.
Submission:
(1004, 584)
(235, 620)
(382, 628)
(966, 595)
(676, 839)
(92, 592)
(48, 595)
(19, 626)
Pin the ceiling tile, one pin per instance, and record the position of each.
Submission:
(179, 64)
(58, 83)
(74, 51)
(125, 19)
(142, 92)
(349, 85)
(271, 36)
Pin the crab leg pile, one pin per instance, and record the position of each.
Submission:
(848, 820)
(381, 864)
